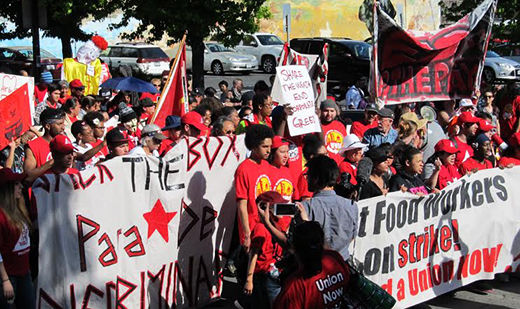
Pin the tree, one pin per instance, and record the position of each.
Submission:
(507, 16)
(64, 18)
(226, 20)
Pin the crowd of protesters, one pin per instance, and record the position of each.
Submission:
(324, 174)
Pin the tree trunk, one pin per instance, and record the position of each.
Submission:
(197, 58)
(66, 47)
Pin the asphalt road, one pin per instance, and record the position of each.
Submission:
(249, 80)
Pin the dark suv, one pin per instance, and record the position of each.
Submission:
(348, 59)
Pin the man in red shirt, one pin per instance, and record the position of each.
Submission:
(63, 153)
(352, 152)
(173, 126)
(478, 162)
(369, 121)
(148, 111)
(468, 125)
(77, 89)
(512, 155)
(37, 151)
(333, 130)
(252, 179)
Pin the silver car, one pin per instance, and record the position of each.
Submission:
(497, 68)
(219, 59)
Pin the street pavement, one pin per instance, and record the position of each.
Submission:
(249, 80)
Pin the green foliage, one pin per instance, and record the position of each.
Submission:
(64, 18)
(507, 16)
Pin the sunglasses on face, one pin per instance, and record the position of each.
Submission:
(230, 132)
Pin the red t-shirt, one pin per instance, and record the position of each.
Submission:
(349, 168)
(505, 161)
(465, 151)
(103, 150)
(262, 241)
(41, 150)
(470, 164)
(447, 175)
(359, 128)
(333, 134)
(251, 180)
(284, 183)
(303, 186)
(323, 290)
(14, 247)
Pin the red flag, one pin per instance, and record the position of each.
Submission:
(15, 115)
(174, 97)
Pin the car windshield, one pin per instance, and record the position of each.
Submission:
(218, 48)
(492, 54)
(29, 53)
(153, 53)
(269, 39)
(360, 49)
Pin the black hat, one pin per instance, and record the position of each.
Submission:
(50, 114)
(115, 136)
(172, 122)
(197, 92)
(146, 102)
(126, 113)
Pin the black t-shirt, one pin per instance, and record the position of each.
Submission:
(413, 183)
(370, 189)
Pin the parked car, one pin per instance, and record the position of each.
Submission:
(348, 60)
(508, 50)
(498, 68)
(141, 58)
(16, 58)
(265, 47)
(220, 59)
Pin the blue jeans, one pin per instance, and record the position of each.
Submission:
(23, 293)
(265, 290)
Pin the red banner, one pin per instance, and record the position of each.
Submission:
(447, 64)
(174, 97)
(15, 115)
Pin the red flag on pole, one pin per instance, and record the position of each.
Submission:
(15, 115)
(174, 97)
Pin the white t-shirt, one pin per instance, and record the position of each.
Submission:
(82, 165)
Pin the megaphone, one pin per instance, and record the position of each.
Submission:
(428, 113)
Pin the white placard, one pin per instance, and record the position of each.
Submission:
(9, 83)
(296, 88)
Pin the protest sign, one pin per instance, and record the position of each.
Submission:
(411, 66)
(139, 232)
(317, 66)
(296, 89)
(9, 83)
(15, 115)
(419, 247)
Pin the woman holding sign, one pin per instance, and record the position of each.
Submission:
(15, 244)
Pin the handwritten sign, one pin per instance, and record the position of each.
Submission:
(9, 83)
(296, 89)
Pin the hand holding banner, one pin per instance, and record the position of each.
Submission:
(296, 89)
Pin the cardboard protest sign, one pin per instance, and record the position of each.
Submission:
(139, 232)
(411, 66)
(317, 66)
(15, 115)
(296, 89)
(420, 247)
(9, 83)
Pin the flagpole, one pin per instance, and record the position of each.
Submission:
(168, 81)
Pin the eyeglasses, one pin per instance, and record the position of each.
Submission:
(229, 132)
(489, 96)
(157, 85)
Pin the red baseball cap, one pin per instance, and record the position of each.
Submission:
(445, 145)
(271, 197)
(514, 140)
(61, 144)
(194, 119)
(7, 175)
(485, 126)
(76, 83)
(278, 141)
(467, 117)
